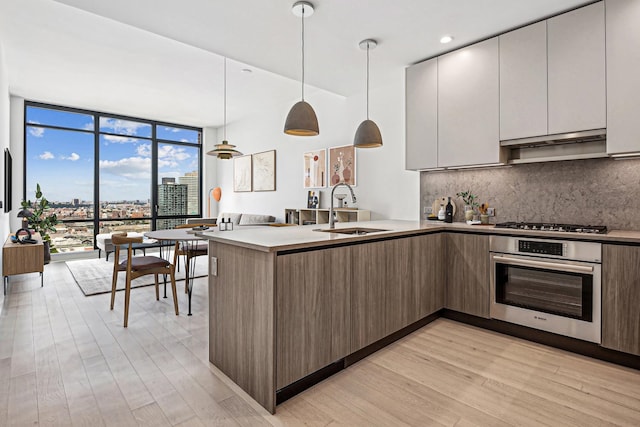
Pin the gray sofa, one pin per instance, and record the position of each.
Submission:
(238, 219)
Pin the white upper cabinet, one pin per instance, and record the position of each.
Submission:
(623, 81)
(468, 106)
(421, 97)
(523, 82)
(576, 70)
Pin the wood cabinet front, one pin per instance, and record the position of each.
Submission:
(467, 273)
(312, 312)
(621, 298)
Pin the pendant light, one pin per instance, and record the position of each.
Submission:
(302, 120)
(225, 150)
(368, 133)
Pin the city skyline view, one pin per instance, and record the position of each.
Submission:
(66, 151)
(62, 160)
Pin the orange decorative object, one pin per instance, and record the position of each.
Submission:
(217, 194)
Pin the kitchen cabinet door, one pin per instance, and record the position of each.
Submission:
(621, 298)
(523, 82)
(576, 70)
(371, 274)
(312, 312)
(623, 69)
(467, 288)
(421, 103)
(468, 106)
(415, 288)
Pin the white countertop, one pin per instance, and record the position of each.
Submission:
(270, 239)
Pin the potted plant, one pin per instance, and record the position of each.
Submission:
(41, 221)
(470, 203)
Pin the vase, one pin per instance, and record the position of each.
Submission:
(468, 213)
(484, 219)
(346, 173)
(47, 252)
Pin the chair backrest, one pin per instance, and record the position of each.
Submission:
(119, 239)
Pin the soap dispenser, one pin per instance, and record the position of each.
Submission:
(441, 213)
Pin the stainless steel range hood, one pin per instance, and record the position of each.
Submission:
(587, 144)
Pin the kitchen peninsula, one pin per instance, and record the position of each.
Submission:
(290, 303)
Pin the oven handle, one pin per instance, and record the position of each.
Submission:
(541, 264)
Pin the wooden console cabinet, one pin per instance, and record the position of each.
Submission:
(20, 258)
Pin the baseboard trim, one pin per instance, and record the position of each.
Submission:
(561, 342)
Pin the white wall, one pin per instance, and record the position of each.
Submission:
(383, 186)
(4, 143)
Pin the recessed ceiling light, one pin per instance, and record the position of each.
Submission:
(446, 39)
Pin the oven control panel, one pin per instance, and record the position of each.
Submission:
(542, 248)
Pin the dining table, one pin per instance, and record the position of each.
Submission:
(185, 239)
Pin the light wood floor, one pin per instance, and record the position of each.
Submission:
(65, 359)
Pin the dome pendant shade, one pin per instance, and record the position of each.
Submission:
(301, 120)
(368, 135)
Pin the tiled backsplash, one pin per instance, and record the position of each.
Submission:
(596, 191)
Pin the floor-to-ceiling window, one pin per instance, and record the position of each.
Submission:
(104, 172)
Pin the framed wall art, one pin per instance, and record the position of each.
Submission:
(342, 165)
(264, 171)
(315, 169)
(242, 173)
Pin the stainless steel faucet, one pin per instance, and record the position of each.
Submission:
(353, 200)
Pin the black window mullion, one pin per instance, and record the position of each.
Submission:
(96, 179)
(154, 178)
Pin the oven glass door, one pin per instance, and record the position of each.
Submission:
(548, 290)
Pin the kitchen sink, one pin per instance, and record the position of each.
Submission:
(357, 231)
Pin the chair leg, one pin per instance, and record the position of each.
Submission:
(127, 294)
(173, 289)
(114, 280)
(157, 288)
(187, 261)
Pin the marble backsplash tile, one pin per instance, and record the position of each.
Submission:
(595, 191)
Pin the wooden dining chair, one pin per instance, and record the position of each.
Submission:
(136, 267)
(190, 250)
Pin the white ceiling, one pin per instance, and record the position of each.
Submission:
(162, 59)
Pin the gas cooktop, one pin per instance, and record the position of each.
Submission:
(540, 226)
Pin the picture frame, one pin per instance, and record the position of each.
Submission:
(264, 171)
(342, 165)
(7, 180)
(315, 169)
(242, 174)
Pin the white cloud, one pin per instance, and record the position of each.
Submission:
(171, 153)
(131, 167)
(37, 132)
(124, 127)
(144, 150)
(119, 139)
(73, 157)
(47, 155)
(88, 126)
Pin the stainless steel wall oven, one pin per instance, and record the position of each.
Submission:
(552, 285)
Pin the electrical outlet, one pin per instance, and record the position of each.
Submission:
(214, 266)
(428, 210)
(491, 211)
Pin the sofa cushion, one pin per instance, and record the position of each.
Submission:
(248, 219)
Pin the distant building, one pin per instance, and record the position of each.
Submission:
(76, 202)
(172, 198)
(191, 180)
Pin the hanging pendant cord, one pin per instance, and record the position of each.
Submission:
(224, 128)
(303, 52)
(367, 80)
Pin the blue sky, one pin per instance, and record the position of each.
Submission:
(62, 161)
